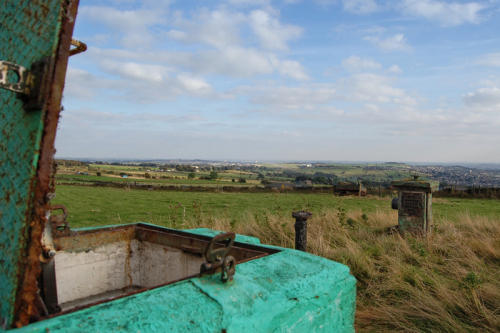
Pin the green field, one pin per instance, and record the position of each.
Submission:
(92, 206)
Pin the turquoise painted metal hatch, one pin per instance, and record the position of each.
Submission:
(35, 40)
(135, 277)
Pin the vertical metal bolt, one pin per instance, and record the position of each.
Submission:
(301, 218)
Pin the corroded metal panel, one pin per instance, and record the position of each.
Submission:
(412, 204)
(29, 32)
(412, 211)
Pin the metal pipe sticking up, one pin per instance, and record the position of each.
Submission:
(301, 218)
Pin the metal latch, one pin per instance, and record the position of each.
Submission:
(218, 258)
(59, 225)
(30, 82)
(25, 79)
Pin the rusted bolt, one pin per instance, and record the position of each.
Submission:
(301, 218)
(51, 254)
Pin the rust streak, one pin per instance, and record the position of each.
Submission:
(24, 308)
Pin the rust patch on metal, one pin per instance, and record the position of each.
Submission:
(24, 307)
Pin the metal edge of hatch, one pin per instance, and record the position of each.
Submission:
(24, 309)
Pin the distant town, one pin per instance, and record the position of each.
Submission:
(370, 174)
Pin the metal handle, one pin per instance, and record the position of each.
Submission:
(80, 47)
(215, 255)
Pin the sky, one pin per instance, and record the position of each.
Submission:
(329, 80)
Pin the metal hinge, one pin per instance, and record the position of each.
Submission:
(30, 82)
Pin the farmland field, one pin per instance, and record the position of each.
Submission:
(92, 206)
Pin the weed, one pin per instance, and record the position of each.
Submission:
(471, 281)
(364, 217)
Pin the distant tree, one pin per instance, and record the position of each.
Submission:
(233, 180)
(191, 175)
(214, 175)
(98, 174)
(147, 175)
(302, 178)
(261, 176)
(320, 180)
(265, 182)
(242, 180)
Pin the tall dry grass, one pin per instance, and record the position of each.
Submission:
(447, 282)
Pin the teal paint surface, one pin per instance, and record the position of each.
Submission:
(290, 291)
(212, 233)
(28, 33)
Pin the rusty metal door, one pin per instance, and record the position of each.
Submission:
(35, 38)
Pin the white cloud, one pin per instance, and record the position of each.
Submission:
(448, 14)
(249, 2)
(484, 100)
(360, 6)
(132, 25)
(394, 43)
(81, 84)
(491, 59)
(307, 97)
(406, 100)
(135, 82)
(271, 33)
(232, 61)
(394, 69)
(195, 85)
(372, 88)
(218, 28)
(356, 64)
(135, 71)
(292, 69)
